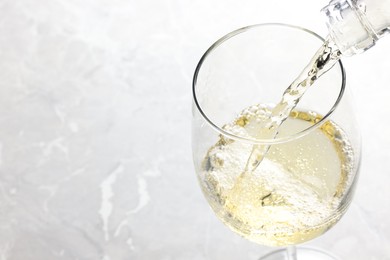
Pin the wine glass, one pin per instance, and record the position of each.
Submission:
(306, 180)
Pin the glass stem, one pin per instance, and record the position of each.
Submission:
(291, 253)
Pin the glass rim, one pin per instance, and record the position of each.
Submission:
(275, 140)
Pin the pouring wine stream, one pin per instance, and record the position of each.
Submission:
(323, 60)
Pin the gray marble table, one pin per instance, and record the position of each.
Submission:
(95, 107)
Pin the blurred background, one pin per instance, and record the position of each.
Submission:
(95, 113)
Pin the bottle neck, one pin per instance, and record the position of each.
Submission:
(349, 26)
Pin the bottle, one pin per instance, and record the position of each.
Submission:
(356, 25)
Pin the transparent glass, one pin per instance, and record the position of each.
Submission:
(306, 180)
(355, 25)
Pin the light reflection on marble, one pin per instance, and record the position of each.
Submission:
(95, 157)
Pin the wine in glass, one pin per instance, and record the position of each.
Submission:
(305, 177)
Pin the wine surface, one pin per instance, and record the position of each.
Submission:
(294, 194)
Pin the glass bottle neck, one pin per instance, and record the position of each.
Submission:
(353, 24)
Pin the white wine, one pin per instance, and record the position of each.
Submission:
(322, 61)
(296, 193)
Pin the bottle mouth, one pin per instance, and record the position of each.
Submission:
(268, 141)
(349, 26)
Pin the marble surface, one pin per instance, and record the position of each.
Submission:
(95, 112)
